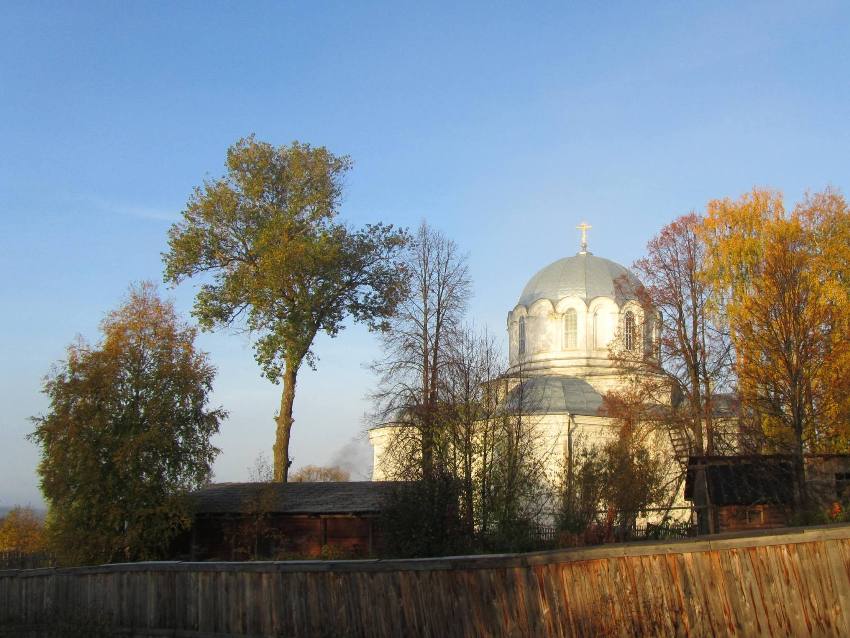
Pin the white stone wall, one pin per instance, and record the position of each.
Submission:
(381, 439)
(557, 433)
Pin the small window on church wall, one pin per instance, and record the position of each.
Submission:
(629, 330)
(652, 336)
(521, 337)
(570, 325)
(598, 338)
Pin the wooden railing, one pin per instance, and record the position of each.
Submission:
(794, 582)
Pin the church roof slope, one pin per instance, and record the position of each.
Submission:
(554, 394)
(585, 276)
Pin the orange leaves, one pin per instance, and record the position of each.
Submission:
(127, 432)
(733, 232)
(21, 530)
(781, 279)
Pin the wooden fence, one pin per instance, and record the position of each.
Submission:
(792, 583)
(14, 559)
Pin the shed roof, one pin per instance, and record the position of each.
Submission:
(350, 497)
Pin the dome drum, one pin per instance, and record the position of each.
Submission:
(567, 315)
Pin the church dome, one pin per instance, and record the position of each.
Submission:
(583, 275)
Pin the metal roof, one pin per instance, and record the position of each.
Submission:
(554, 394)
(585, 276)
(348, 497)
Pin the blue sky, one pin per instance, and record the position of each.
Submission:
(504, 125)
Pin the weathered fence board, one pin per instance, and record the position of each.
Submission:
(793, 583)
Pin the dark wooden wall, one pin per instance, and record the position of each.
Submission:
(794, 583)
(731, 518)
(226, 538)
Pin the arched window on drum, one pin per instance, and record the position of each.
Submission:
(629, 331)
(521, 336)
(570, 329)
(599, 340)
(656, 338)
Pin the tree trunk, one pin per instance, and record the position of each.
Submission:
(798, 465)
(284, 424)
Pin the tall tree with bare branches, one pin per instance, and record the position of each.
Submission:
(418, 341)
(686, 353)
(467, 420)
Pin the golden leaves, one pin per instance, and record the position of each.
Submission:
(782, 280)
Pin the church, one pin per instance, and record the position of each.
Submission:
(559, 331)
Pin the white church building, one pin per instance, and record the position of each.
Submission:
(559, 333)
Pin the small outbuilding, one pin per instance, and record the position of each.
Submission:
(252, 521)
(732, 493)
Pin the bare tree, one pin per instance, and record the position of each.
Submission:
(684, 355)
(418, 343)
(442, 396)
(464, 410)
(489, 455)
(517, 483)
(252, 535)
(677, 361)
(320, 474)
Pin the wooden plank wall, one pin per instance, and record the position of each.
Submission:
(793, 583)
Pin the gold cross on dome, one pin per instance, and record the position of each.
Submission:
(584, 227)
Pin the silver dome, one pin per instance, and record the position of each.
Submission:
(583, 275)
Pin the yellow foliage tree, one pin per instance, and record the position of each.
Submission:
(21, 530)
(780, 279)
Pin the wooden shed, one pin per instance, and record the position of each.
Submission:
(251, 521)
(756, 491)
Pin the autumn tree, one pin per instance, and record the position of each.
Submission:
(276, 261)
(22, 530)
(781, 279)
(678, 358)
(127, 434)
(606, 485)
(684, 351)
